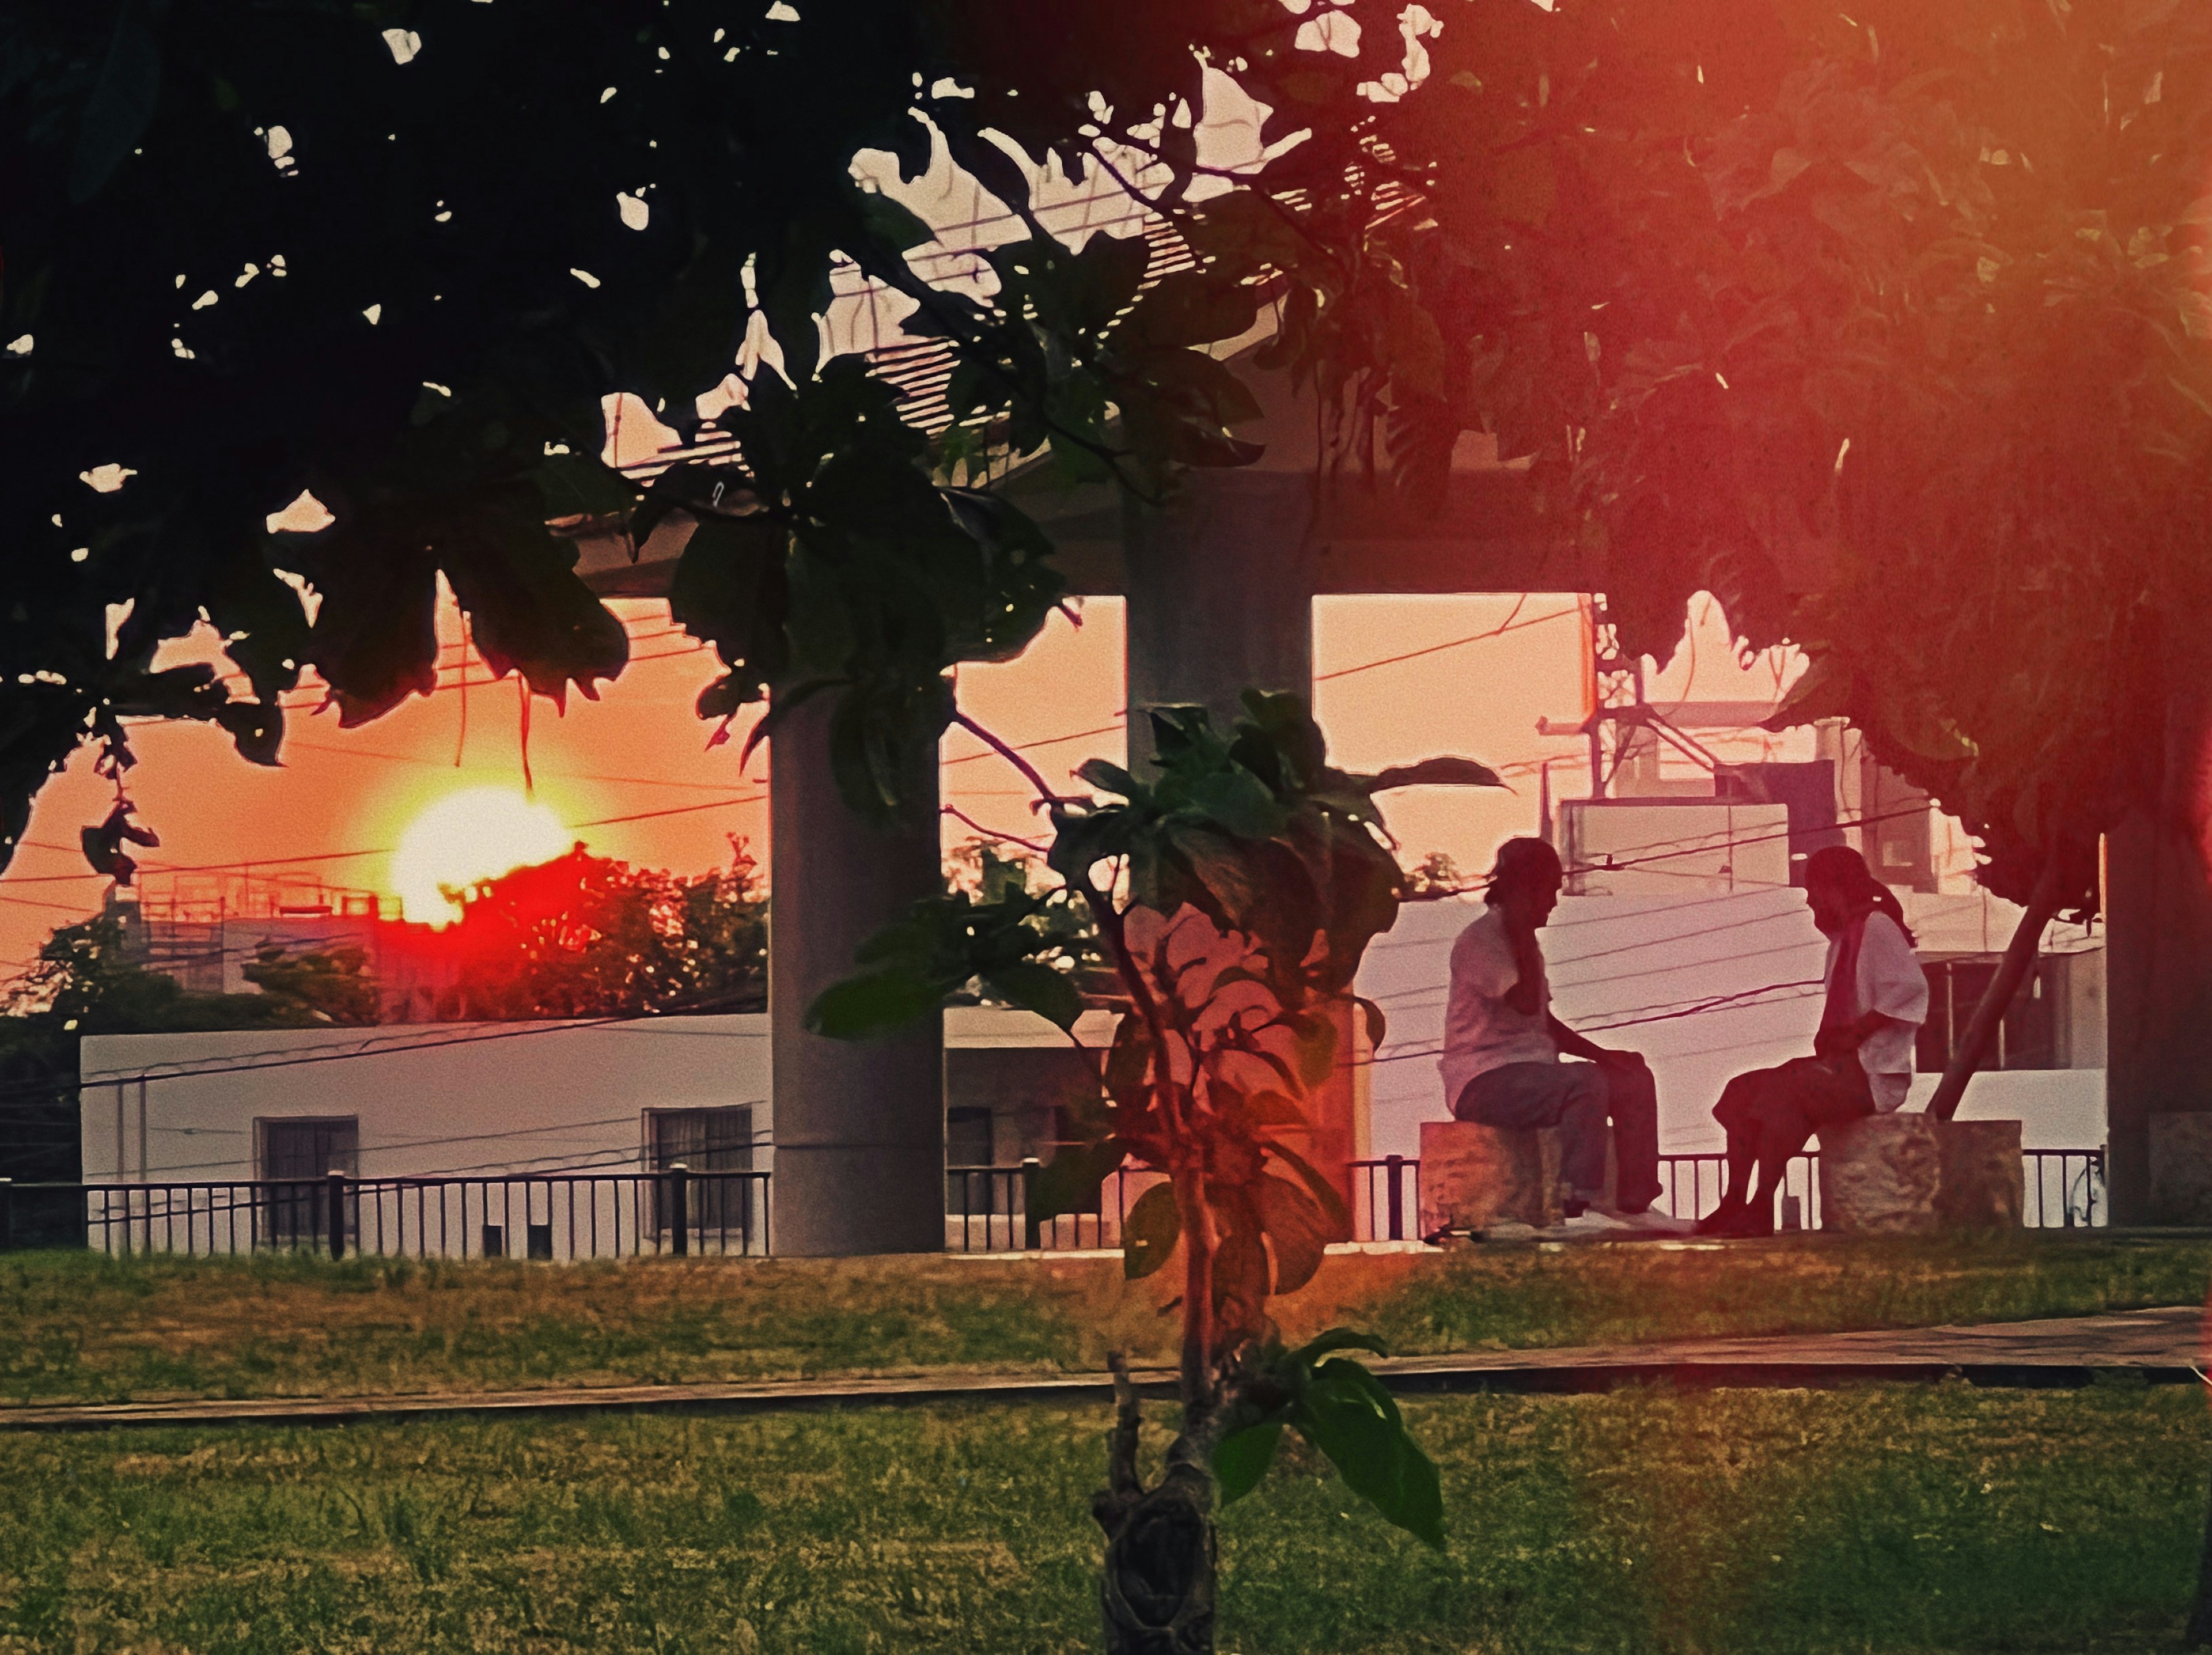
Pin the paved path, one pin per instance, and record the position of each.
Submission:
(2165, 1347)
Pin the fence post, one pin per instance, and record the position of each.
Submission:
(335, 1183)
(679, 1182)
(1392, 1165)
(1029, 1165)
(7, 1214)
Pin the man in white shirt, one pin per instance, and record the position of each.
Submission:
(1861, 1062)
(1501, 1063)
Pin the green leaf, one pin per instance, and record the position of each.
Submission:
(1037, 988)
(1378, 1024)
(1266, 1108)
(1329, 1197)
(1069, 1182)
(1436, 773)
(892, 223)
(1237, 801)
(1325, 1344)
(121, 103)
(874, 1004)
(1150, 1233)
(1316, 1049)
(1243, 1458)
(1298, 1230)
(1110, 778)
(1347, 1415)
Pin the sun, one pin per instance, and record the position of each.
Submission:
(479, 833)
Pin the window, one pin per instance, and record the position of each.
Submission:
(297, 1154)
(705, 1140)
(2027, 1038)
(968, 1137)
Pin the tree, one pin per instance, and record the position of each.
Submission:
(1235, 896)
(1891, 329)
(87, 980)
(329, 988)
(585, 936)
(251, 256)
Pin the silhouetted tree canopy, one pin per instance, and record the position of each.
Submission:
(585, 936)
(1890, 328)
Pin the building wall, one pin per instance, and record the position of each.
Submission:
(429, 1098)
(449, 1097)
(1673, 848)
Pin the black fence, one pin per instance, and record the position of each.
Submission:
(570, 1216)
(986, 1208)
(550, 1216)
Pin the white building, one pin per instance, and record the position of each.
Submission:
(488, 1100)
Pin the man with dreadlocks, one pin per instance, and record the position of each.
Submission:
(1861, 1062)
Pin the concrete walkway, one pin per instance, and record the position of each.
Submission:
(2161, 1346)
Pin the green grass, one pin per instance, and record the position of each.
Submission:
(80, 1327)
(1648, 1523)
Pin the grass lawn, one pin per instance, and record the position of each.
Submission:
(80, 1327)
(1645, 1522)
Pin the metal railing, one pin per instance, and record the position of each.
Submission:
(986, 1208)
(547, 1216)
(569, 1216)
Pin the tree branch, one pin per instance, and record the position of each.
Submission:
(2018, 957)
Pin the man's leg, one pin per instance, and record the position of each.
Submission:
(1584, 1092)
(1632, 1101)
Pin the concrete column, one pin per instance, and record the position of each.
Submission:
(1220, 599)
(858, 1127)
(1220, 595)
(2158, 907)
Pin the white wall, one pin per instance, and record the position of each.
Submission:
(429, 1098)
(1615, 958)
(450, 1098)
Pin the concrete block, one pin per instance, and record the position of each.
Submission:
(1898, 1174)
(1878, 1175)
(1981, 1182)
(1473, 1177)
(2181, 1169)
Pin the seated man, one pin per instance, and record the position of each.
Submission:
(1861, 1062)
(1502, 1047)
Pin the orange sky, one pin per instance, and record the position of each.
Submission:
(640, 751)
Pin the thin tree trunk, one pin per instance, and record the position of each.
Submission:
(2019, 957)
(1156, 1588)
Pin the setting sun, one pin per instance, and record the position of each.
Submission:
(477, 834)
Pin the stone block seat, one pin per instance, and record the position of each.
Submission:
(1475, 1176)
(1909, 1174)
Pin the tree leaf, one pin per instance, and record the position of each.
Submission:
(1435, 773)
(1037, 987)
(122, 101)
(1242, 1458)
(1330, 1198)
(874, 1004)
(1150, 1233)
(1347, 1415)
(1298, 1230)
(1069, 1183)
(1324, 1344)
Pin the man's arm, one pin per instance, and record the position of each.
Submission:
(1835, 1043)
(1524, 997)
(1575, 1045)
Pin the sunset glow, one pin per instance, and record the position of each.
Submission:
(476, 834)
